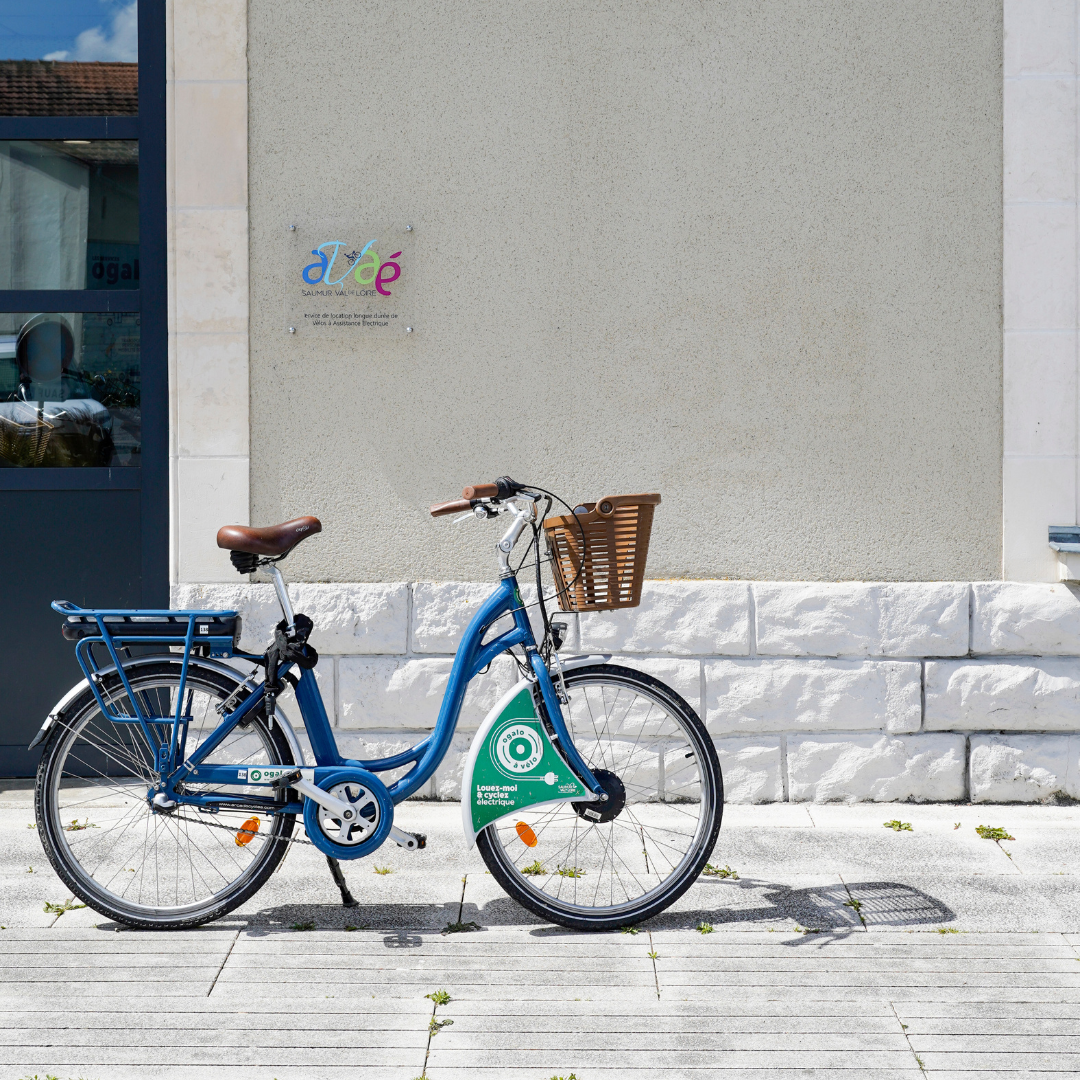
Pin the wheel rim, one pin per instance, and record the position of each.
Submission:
(606, 869)
(118, 850)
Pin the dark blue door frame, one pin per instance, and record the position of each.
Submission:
(146, 487)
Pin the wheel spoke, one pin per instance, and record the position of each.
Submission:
(154, 866)
(613, 870)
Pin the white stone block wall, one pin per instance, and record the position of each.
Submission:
(811, 691)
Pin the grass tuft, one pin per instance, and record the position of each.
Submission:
(75, 826)
(59, 909)
(461, 928)
(384, 869)
(720, 872)
(992, 832)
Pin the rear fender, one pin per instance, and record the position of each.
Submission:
(60, 708)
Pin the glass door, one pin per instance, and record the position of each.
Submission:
(83, 335)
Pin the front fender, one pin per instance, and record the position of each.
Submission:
(58, 710)
(549, 780)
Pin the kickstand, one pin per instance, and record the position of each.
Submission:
(347, 899)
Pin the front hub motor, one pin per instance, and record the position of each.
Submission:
(365, 824)
(600, 812)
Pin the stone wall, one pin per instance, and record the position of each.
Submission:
(812, 691)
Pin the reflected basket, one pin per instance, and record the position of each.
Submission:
(24, 444)
(599, 553)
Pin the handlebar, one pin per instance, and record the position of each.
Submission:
(456, 507)
(503, 488)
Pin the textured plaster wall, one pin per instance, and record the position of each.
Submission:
(746, 255)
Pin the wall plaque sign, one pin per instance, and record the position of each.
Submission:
(344, 279)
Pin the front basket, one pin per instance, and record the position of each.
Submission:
(604, 568)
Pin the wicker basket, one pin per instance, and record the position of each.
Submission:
(616, 546)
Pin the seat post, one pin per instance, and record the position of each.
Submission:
(283, 597)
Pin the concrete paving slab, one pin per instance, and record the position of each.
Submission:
(753, 998)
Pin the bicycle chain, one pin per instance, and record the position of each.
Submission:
(232, 829)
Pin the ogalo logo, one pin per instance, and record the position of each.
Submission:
(366, 266)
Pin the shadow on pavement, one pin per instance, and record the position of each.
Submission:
(822, 907)
(826, 907)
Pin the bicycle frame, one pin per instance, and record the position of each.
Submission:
(473, 655)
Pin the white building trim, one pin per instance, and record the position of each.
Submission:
(208, 280)
(1041, 467)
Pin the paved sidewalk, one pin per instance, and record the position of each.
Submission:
(932, 953)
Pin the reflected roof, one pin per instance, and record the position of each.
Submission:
(62, 88)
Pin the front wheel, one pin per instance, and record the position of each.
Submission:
(660, 765)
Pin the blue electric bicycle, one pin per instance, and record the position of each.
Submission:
(170, 782)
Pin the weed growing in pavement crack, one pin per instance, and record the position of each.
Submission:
(59, 909)
(76, 827)
(31, 826)
(435, 1026)
(384, 869)
(806, 929)
(899, 826)
(856, 906)
(534, 869)
(957, 826)
(654, 955)
(947, 930)
(461, 927)
(350, 928)
(569, 1076)
(570, 871)
(440, 997)
(720, 871)
(303, 926)
(992, 832)
(630, 930)
(704, 928)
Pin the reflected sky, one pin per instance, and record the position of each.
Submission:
(68, 30)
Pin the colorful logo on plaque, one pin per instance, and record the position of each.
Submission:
(366, 266)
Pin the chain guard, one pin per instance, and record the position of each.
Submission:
(375, 815)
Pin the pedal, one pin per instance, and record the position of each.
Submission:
(409, 841)
(282, 783)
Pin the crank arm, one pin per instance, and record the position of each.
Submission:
(409, 841)
(324, 799)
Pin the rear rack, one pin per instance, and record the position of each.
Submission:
(213, 633)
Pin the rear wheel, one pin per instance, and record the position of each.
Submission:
(652, 753)
(145, 868)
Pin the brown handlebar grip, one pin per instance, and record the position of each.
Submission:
(480, 491)
(455, 507)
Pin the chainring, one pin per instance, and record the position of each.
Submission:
(366, 794)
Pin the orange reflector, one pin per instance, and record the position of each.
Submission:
(527, 836)
(247, 831)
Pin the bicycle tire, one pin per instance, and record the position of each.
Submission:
(110, 789)
(504, 846)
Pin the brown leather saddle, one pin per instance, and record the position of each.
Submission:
(273, 540)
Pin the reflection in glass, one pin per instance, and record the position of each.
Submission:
(69, 214)
(69, 30)
(69, 390)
